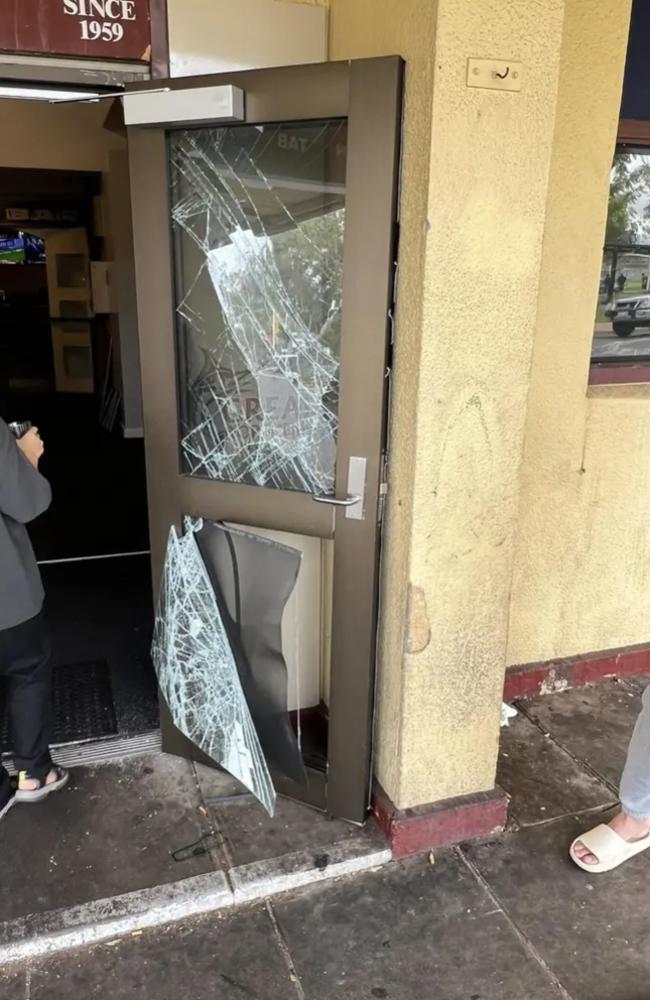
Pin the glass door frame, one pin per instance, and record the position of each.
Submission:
(368, 94)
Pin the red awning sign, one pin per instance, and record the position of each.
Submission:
(114, 29)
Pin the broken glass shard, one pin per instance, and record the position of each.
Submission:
(253, 578)
(258, 222)
(197, 672)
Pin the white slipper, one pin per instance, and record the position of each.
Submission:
(610, 849)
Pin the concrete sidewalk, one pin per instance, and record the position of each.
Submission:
(511, 919)
(139, 842)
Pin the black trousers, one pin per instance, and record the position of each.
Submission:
(25, 665)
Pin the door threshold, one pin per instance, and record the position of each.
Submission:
(94, 558)
(91, 753)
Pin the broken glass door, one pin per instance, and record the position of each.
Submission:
(258, 219)
(217, 650)
(265, 262)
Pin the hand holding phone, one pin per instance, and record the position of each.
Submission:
(31, 445)
(19, 428)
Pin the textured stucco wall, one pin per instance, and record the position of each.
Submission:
(470, 260)
(360, 29)
(582, 566)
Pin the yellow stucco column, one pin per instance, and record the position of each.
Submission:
(475, 201)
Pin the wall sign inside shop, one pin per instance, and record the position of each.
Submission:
(39, 215)
(117, 29)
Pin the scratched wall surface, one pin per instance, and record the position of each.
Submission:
(470, 259)
(582, 566)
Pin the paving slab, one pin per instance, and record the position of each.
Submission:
(229, 958)
(542, 780)
(411, 930)
(594, 723)
(14, 985)
(638, 683)
(251, 835)
(109, 832)
(592, 930)
(267, 878)
(28, 938)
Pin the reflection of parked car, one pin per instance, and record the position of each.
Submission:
(626, 314)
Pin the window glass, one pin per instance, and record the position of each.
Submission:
(258, 217)
(622, 327)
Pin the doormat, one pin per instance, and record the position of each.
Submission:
(83, 705)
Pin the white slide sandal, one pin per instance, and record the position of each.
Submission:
(610, 849)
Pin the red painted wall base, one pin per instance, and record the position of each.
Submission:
(440, 824)
(414, 831)
(592, 668)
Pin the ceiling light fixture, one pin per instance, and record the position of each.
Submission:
(27, 93)
(63, 95)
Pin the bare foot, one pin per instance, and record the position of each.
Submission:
(626, 827)
(31, 784)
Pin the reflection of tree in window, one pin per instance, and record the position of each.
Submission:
(628, 217)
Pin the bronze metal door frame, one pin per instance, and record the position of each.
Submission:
(368, 94)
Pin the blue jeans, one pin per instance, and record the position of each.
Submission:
(635, 783)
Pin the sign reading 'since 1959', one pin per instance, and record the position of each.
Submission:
(113, 29)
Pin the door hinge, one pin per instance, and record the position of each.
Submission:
(383, 488)
(395, 278)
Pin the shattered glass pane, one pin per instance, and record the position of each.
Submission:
(253, 578)
(258, 221)
(197, 672)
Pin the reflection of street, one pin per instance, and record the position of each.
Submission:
(608, 345)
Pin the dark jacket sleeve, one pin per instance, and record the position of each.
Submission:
(24, 492)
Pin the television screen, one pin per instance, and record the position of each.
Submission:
(34, 249)
(12, 250)
(21, 248)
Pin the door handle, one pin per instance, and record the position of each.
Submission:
(348, 501)
(355, 499)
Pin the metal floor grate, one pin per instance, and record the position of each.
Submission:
(93, 752)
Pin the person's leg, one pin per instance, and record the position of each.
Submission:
(635, 783)
(633, 822)
(6, 788)
(27, 667)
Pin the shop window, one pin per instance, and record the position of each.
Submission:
(621, 344)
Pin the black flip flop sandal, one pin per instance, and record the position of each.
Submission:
(43, 789)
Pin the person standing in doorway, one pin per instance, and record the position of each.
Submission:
(24, 644)
(608, 845)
